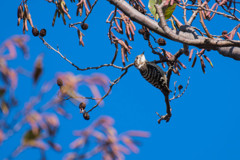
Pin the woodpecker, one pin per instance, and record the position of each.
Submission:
(152, 73)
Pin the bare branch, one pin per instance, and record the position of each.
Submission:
(110, 88)
(179, 36)
(180, 94)
(83, 69)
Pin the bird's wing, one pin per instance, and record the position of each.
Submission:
(153, 65)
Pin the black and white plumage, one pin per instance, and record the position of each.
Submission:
(152, 73)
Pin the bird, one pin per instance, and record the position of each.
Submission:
(152, 73)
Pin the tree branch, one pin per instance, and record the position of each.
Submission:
(186, 37)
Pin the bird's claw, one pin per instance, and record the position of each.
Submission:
(165, 117)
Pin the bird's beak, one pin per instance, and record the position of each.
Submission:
(142, 53)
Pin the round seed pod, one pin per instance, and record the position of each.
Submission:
(146, 35)
(82, 105)
(43, 32)
(84, 26)
(161, 42)
(86, 116)
(224, 33)
(35, 32)
(180, 87)
(59, 82)
(141, 31)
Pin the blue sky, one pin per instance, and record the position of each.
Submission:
(204, 123)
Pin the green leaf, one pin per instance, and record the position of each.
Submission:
(168, 11)
(30, 136)
(152, 9)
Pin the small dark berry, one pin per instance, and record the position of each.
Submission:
(193, 1)
(82, 105)
(59, 82)
(224, 32)
(146, 35)
(161, 42)
(141, 31)
(84, 26)
(2, 91)
(180, 87)
(135, 6)
(43, 32)
(86, 116)
(35, 32)
(143, 11)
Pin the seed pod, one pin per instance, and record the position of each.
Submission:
(38, 69)
(80, 9)
(142, 10)
(26, 8)
(132, 24)
(29, 18)
(202, 52)
(43, 32)
(224, 32)
(190, 55)
(161, 42)
(82, 105)
(194, 61)
(64, 8)
(123, 55)
(86, 116)
(58, 13)
(2, 91)
(86, 7)
(180, 87)
(54, 17)
(18, 22)
(80, 36)
(25, 28)
(141, 31)
(238, 34)
(163, 65)
(89, 4)
(146, 35)
(84, 26)
(202, 62)
(127, 30)
(25, 24)
(181, 64)
(121, 23)
(35, 32)
(208, 60)
(59, 82)
(20, 12)
(63, 17)
(132, 32)
(118, 26)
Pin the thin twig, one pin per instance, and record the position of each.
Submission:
(73, 24)
(180, 95)
(200, 7)
(83, 69)
(202, 22)
(110, 88)
(185, 11)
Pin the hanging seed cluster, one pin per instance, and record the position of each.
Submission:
(82, 105)
(200, 55)
(24, 14)
(61, 10)
(130, 28)
(83, 4)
